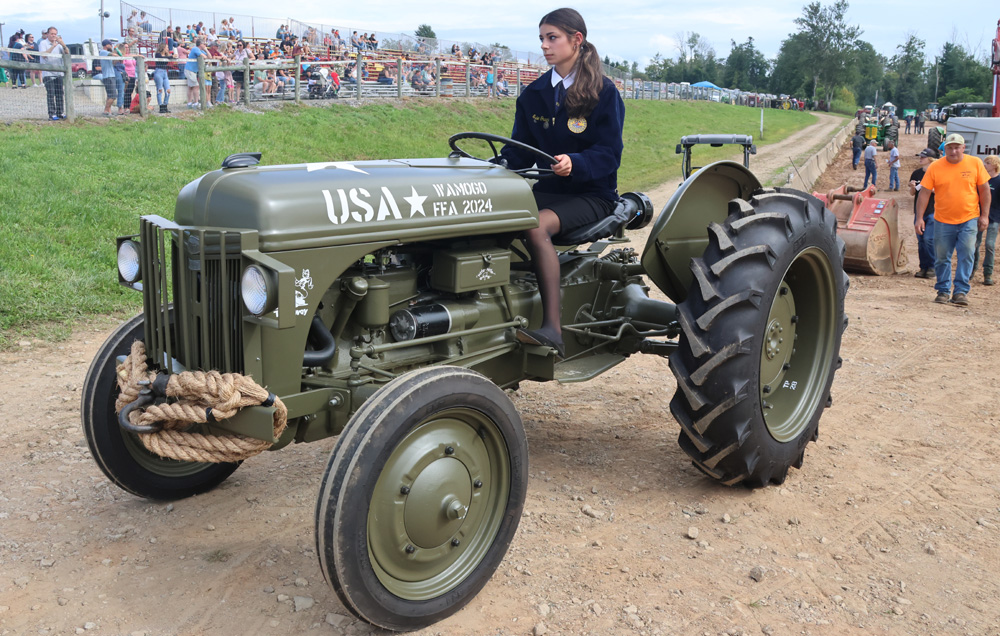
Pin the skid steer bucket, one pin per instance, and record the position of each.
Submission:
(869, 229)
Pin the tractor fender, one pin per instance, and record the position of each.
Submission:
(680, 231)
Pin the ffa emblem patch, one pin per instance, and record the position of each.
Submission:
(577, 124)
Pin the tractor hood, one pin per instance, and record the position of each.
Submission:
(337, 203)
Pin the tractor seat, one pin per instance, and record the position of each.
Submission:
(634, 210)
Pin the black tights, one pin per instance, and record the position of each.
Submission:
(546, 265)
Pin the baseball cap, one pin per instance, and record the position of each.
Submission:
(954, 138)
(927, 152)
(106, 42)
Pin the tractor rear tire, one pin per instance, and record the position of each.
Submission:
(934, 138)
(760, 342)
(860, 129)
(893, 134)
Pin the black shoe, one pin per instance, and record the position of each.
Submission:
(532, 337)
(942, 297)
(924, 273)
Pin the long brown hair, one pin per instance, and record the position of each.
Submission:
(583, 95)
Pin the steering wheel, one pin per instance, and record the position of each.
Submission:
(527, 173)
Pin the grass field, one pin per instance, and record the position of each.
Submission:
(69, 190)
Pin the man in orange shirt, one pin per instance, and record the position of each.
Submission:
(962, 207)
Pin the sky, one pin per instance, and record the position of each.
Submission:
(633, 30)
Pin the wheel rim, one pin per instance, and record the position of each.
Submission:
(438, 504)
(150, 461)
(798, 344)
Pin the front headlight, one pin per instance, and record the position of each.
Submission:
(257, 293)
(128, 261)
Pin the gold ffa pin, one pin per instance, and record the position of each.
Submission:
(577, 124)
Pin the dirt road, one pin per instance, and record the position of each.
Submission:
(890, 527)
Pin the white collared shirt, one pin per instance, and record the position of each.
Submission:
(567, 81)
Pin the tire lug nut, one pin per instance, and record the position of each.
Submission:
(794, 319)
(455, 542)
(767, 388)
(405, 490)
(786, 367)
(478, 483)
(410, 549)
(449, 450)
(783, 291)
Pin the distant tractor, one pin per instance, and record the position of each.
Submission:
(882, 126)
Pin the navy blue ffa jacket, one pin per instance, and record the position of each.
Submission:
(594, 144)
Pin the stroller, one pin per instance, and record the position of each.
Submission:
(320, 86)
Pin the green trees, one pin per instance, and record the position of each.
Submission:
(425, 31)
(829, 44)
(745, 68)
(959, 69)
(826, 58)
(905, 77)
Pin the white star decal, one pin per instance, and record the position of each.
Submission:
(343, 165)
(416, 202)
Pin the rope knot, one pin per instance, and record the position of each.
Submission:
(195, 397)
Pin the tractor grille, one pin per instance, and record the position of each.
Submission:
(191, 296)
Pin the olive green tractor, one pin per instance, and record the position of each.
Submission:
(378, 301)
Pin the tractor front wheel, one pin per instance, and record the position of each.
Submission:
(422, 496)
(120, 454)
(761, 332)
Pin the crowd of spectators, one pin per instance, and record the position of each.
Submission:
(176, 49)
(27, 51)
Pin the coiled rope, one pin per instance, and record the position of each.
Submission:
(200, 397)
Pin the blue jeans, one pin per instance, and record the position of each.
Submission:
(221, 96)
(162, 86)
(991, 244)
(870, 171)
(961, 239)
(893, 178)
(856, 157)
(925, 244)
(120, 81)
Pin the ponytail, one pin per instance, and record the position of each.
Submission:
(582, 96)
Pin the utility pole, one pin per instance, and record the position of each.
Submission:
(1, 32)
(103, 14)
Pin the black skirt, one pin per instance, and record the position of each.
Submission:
(238, 76)
(574, 210)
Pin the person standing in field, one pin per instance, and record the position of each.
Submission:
(160, 77)
(925, 239)
(962, 204)
(51, 52)
(992, 163)
(893, 162)
(857, 147)
(871, 169)
(108, 76)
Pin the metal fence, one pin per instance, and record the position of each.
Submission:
(252, 84)
(258, 84)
